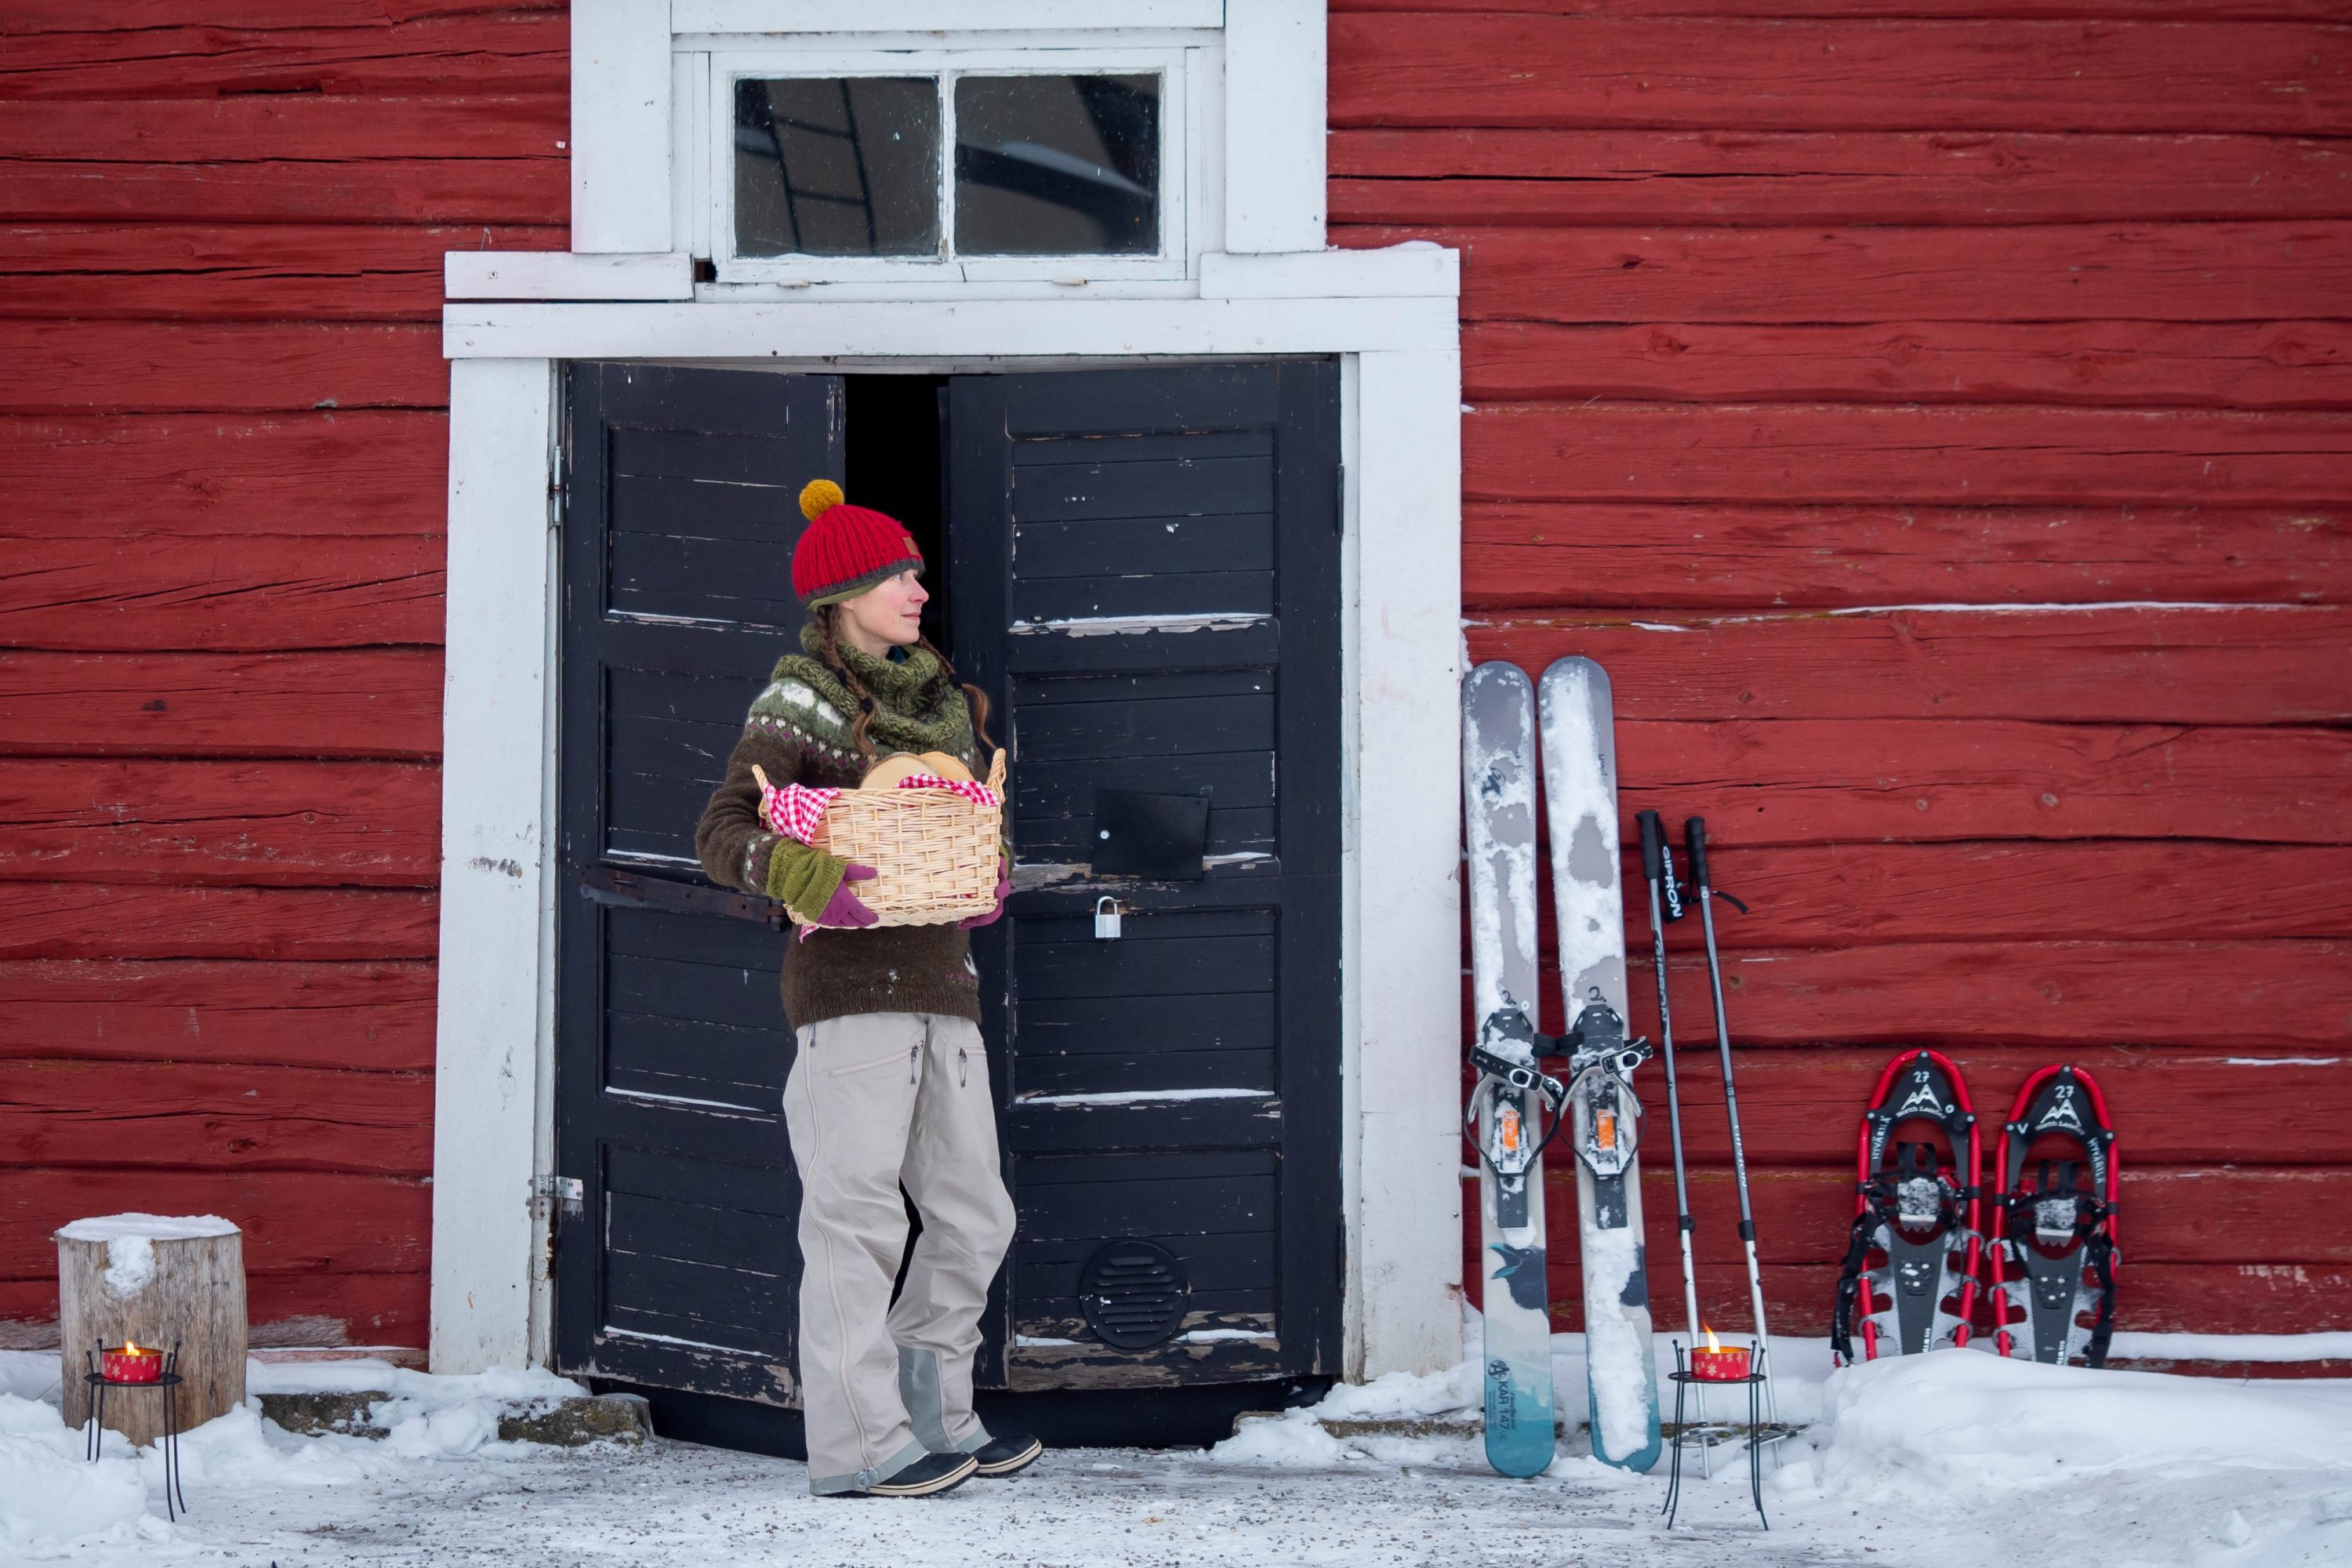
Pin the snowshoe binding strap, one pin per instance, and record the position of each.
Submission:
(1859, 1241)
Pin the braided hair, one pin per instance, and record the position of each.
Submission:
(828, 621)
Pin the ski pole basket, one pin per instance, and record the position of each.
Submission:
(934, 853)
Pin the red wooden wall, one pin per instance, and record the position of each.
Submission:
(1778, 313)
(222, 427)
(1815, 351)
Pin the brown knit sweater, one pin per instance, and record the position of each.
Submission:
(799, 732)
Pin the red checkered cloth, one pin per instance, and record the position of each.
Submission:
(796, 810)
(978, 793)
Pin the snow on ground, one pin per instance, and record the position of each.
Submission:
(1952, 1456)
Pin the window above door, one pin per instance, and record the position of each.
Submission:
(895, 149)
(1047, 165)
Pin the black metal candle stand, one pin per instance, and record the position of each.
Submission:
(169, 1385)
(1701, 1435)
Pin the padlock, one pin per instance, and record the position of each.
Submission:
(1105, 918)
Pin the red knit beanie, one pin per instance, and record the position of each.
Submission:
(846, 549)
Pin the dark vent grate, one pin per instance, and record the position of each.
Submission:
(1133, 1294)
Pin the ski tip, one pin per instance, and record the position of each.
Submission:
(1577, 668)
(1495, 672)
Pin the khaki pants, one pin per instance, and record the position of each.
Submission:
(878, 1102)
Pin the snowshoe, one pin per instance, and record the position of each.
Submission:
(1909, 1280)
(2055, 1253)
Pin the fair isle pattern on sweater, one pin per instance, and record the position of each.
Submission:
(794, 708)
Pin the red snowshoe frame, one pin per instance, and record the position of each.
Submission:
(2038, 1298)
(1926, 1088)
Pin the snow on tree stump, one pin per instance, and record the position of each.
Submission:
(162, 1280)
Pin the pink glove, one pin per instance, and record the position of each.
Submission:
(1003, 890)
(845, 910)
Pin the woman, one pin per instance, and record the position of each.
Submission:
(890, 1089)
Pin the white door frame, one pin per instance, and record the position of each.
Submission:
(1391, 318)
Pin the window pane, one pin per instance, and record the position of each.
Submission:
(1058, 165)
(837, 167)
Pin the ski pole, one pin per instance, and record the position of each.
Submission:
(1666, 904)
(1694, 847)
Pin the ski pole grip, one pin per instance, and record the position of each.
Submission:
(1653, 845)
(1695, 845)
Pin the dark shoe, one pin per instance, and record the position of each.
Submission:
(927, 1477)
(1006, 1453)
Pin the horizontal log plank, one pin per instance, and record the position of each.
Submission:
(244, 824)
(1735, 556)
(1961, 10)
(367, 1309)
(1727, 73)
(359, 473)
(409, 296)
(2115, 890)
(504, 54)
(83, 920)
(372, 703)
(2153, 1298)
(262, 127)
(2145, 364)
(1497, 178)
(255, 252)
(69, 16)
(1806, 453)
(291, 1309)
(2141, 271)
(2121, 664)
(1810, 781)
(119, 1115)
(310, 1222)
(1801, 1109)
(157, 367)
(420, 190)
(251, 593)
(2167, 1215)
(378, 1017)
(241, 272)
(2253, 998)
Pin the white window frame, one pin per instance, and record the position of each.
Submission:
(715, 137)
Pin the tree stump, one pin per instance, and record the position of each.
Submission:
(162, 1280)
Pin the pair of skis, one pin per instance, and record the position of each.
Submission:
(1918, 1249)
(1520, 1104)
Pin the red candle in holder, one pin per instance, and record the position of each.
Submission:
(1712, 1362)
(131, 1364)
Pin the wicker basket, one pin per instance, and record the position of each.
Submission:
(933, 852)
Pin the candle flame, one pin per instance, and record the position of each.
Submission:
(130, 1346)
(1714, 1346)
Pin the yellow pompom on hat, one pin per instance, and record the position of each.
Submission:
(845, 549)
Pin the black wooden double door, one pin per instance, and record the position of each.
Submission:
(1143, 566)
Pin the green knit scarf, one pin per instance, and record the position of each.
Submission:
(915, 707)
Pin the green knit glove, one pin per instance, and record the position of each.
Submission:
(803, 879)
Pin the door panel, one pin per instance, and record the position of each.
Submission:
(1134, 553)
(1173, 538)
(681, 1270)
